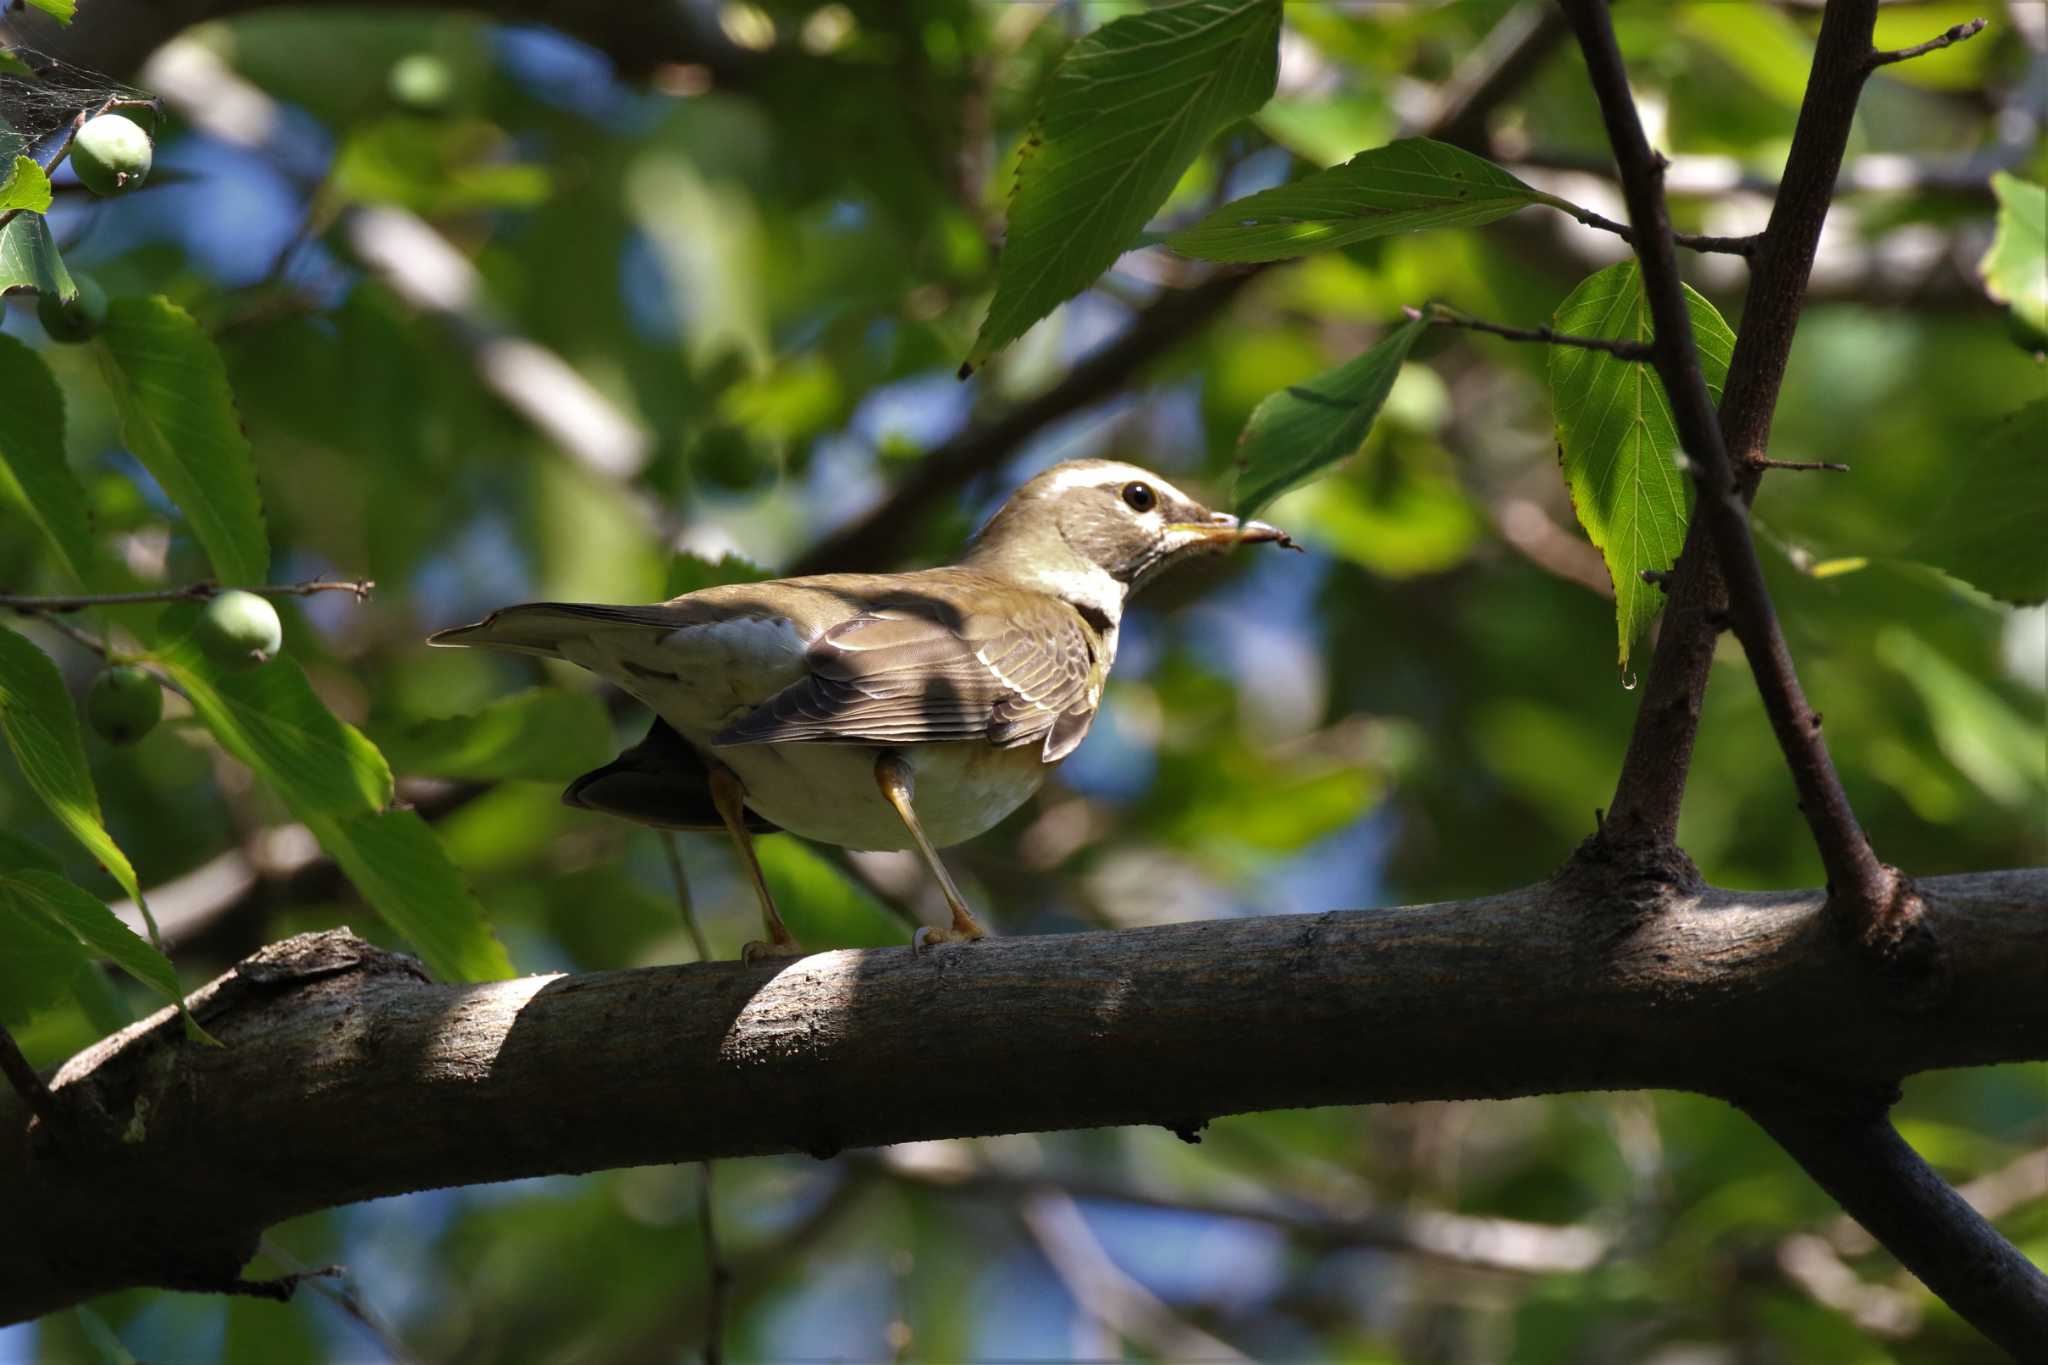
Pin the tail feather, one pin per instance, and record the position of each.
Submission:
(541, 627)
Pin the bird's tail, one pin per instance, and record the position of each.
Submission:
(542, 627)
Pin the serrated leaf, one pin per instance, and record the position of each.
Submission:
(336, 782)
(1616, 440)
(26, 188)
(688, 572)
(1405, 186)
(60, 10)
(1304, 428)
(42, 730)
(1128, 109)
(401, 868)
(1993, 531)
(79, 912)
(29, 258)
(2015, 269)
(178, 417)
(272, 721)
(538, 735)
(33, 471)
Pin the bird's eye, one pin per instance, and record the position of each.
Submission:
(1139, 496)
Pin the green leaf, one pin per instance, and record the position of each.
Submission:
(38, 963)
(1405, 186)
(60, 10)
(27, 188)
(1616, 440)
(178, 417)
(34, 474)
(78, 911)
(401, 868)
(1129, 107)
(2015, 269)
(1993, 531)
(543, 735)
(42, 729)
(29, 259)
(271, 719)
(687, 573)
(1297, 432)
(336, 781)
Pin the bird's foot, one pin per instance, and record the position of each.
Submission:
(765, 950)
(927, 938)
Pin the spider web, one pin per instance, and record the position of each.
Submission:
(43, 99)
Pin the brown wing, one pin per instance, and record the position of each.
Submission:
(917, 673)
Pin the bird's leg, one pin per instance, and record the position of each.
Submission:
(730, 798)
(899, 786)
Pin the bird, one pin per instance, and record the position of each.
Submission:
(882, 710)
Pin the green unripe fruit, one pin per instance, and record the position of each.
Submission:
(239, 630)
(78, 319)
(124, 704)
(111, 154)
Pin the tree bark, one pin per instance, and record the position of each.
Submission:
(348, 1075)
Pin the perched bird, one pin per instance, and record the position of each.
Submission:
(879, 711)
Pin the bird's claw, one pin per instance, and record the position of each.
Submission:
(763, 950)
(928, 938)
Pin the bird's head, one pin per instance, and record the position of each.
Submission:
(1094, 531)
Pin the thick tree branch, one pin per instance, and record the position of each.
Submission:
(1861, 1161)
(347, 1075)
(1870, 897)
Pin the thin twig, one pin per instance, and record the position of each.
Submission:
(1830, 466)
(191, 592)
(720, 1274)
(1744, 247)
(70, 632)
(684, 901)
(336, 1286)
(1959, 33)
(27, 1084)
(1438, 315)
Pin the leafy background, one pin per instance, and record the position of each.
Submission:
(765, 276)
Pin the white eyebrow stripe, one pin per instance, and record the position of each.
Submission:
(1100, 476)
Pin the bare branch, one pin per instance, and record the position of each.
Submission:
(1830, 466)
(27, 1084)
(1651, 786)
(1859, 1158)
(347, 1075)
(1949, 38)
(1438, 315)
(191, 592)
(1695, 241)
(1871, 899)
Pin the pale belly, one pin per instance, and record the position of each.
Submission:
(827, 792)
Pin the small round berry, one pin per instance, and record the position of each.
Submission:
(124, 704)
(111, 154)
(239, 630)
(76, 319)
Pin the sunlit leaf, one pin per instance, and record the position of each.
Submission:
(398, 864)
(178, 417)
(1993, 531)
(60, 10)
(1129, 108)
(29, 892)
(271, 720)
(336, 781)
(2015, 269)
(26, 188)
(1405, 186)
(1304, 428)
(1616, 440)
(29, 259)
(541, 735)
(34, 475)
